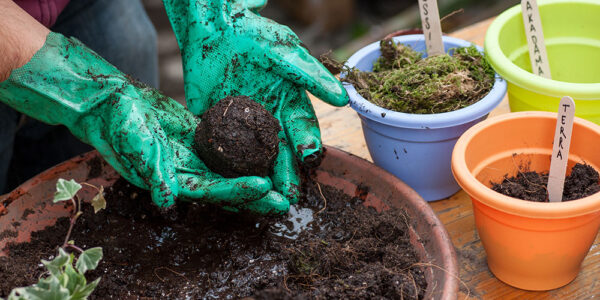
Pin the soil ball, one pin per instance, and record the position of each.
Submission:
(238, 137)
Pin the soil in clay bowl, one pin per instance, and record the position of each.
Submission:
(413, 108)
(363, 253)
(358, 232)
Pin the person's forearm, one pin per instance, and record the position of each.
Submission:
(21, 36)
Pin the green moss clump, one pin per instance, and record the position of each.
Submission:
(403, 81)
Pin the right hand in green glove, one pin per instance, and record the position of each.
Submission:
(144, 135)
(228, 49)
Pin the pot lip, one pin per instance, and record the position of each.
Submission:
(481, 193)
(519, 77)
(423, 121)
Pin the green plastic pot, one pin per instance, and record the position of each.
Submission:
(572, 34)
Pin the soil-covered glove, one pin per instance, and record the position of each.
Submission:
(229, 50)
(144, 135)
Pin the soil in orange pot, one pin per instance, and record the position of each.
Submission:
(531, 185)
(333, 249)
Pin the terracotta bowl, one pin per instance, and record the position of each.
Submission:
(29, 207)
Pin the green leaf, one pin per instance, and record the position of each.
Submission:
(14, 295)
(82, 292)
(56, 292)
(44, 283)
(56, 265)
(98, 202)
(53, 292)
(65, 190)
(74, 279)
(64, 281)
(89, 259)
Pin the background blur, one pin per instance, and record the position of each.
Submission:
(340, 26)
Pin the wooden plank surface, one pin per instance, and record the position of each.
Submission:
(341, 128)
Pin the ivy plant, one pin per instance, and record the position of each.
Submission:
(63, 280)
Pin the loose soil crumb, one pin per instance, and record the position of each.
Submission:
(531, 185)
(95, 167)
(403, 81)
(238, 137)
(344, 250)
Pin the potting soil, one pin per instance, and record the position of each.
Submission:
(238, 137)
(331, 247)
(531, 185)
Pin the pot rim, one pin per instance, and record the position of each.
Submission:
(519, 77)
(481, 193)
(422, 121)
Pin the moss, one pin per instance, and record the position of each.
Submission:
(403, 81)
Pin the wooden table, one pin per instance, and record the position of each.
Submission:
(341, 128)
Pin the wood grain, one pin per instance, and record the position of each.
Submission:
(341, 128)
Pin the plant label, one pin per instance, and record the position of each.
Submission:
(535, 38)
(560, 149)
(432, 28)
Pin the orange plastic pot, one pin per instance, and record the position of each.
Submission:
(29, 207)
(529, 245)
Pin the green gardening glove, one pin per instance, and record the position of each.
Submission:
(144, 135)
(229, 50)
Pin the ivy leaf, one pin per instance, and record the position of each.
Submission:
(66, 190)
(64, 281)
(44, 283)
(73, 279)
(98, 202)
(89, 259)
(55, 266)
(53, 292)
(82, 292)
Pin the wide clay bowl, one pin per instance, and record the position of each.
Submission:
(29, 207)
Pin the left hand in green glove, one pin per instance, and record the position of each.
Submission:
(229, 50)
(144, 135)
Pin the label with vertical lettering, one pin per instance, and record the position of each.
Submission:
(535, 38)
(432, 29)
(560, 149)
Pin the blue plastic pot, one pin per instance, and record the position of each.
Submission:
(417, 148)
